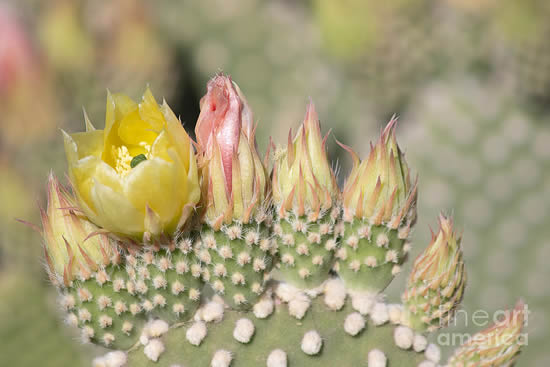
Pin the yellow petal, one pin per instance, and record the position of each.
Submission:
(108, 176)
(115, 212)
(88, 143)
(133, 130)
(161, 146)
(81, 173)
(158, 184)
(177, 135)
(149, 111)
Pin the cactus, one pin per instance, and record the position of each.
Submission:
(145, 288)
(488, 160)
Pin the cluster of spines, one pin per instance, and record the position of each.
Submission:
(104, 306)
(110, 305)
(168, 280)
(238, 259)
(373, 252)
(306, 247)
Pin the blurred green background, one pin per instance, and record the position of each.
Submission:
(470, 80)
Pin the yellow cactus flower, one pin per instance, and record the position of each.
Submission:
(71, 242)
(379, 188)
(302, 177)
(137, 177)
(234, 179)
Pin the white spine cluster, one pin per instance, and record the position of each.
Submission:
(111, 359)
(395, 312)
(419, 343)
(244, 329)
(277, 358)
(379, 314)
(298, 306)
(286, 292)
(363, 302)
(196, 333)
(377, 358)
(212, 311)
(335, 294)
(154, 349)
(312, 343)
(222, 358)
(403, 337)
(264, 307)
(354, 323)
(156, 328)
(433, 353)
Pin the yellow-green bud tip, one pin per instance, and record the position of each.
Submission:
(437, 281)
(72, 244)
(302, 177)
(379, 188)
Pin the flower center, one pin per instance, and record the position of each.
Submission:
(125, 161)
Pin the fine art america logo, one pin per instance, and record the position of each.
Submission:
(481, 319)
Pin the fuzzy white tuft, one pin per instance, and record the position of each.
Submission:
(116, 359)
(286, 292)
(419, 343)
(379, 314)
(403, 337)
(222, 358)
(433, 353)
(395, 311)
(196, 333)
(264, 307)
(363, 302)
(212, 311)
(298, 306)
(244, 329)
(335, 294)
(376, 358)
(354, 323)
(154, 349)
(277, 358)
(156, 328)
(312, 342)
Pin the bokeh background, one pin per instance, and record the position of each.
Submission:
(470, 80)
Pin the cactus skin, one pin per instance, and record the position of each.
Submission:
(370, 256)
(282, 331)
(306, 248)
(103, 311)
(239, 258)
(168, 280)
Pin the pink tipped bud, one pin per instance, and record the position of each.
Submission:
(233, 176)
